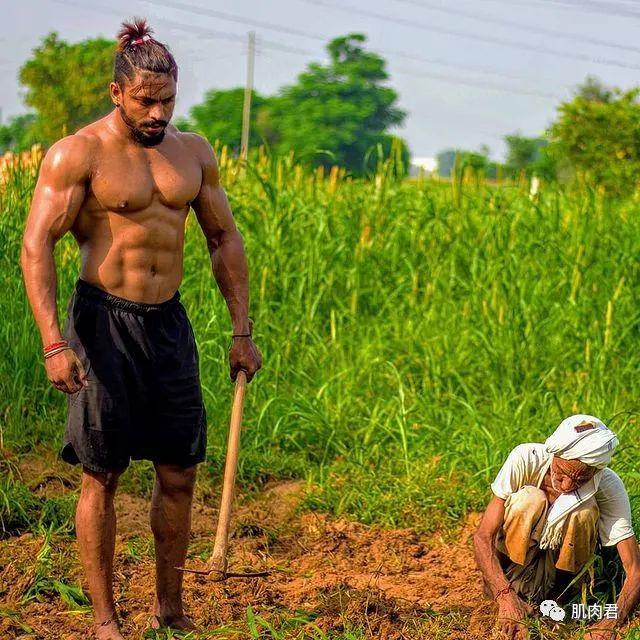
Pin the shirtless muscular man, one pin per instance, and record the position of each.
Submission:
(127, 359)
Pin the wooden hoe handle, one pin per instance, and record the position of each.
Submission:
(218, 560)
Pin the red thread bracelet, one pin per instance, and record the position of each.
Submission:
(55, 345)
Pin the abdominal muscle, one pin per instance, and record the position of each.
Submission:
(137, 256)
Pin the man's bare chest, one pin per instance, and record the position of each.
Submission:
(129, 183)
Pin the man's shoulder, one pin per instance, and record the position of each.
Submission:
(534, 451)
(529, 457)
(198, 144)
(610, 484)
(75, 142)
(72, 154)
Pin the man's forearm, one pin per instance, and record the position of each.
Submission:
(629, 596)
(232, 276)
(489, 564)
(39, 272)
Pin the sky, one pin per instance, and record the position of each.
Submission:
(467, 72)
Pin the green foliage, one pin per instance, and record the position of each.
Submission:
(299, 626)
(43, 585)
(446, 160)
(67, 84)
(594, 90)
(598, 134)
(478, 162)
(219, 118)
(21, 510)
(529, 156)
(18, 134)
(412, 334)
(336, 113)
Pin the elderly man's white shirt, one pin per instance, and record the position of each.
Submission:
(528, 463)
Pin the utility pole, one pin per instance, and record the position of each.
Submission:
(248, 90)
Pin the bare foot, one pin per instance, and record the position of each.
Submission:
(179, 623)
(108, 631)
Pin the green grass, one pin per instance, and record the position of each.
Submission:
(412, 332)
(300, 626)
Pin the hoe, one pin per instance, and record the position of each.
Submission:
(216, 567)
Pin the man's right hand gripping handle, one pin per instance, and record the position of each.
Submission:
(64, 369)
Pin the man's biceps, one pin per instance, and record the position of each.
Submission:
(213, 211)
(55, 214)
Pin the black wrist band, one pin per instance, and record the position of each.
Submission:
(241, 335)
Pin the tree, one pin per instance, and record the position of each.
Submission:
(67, 84)
(529, 155)
(598, 134)
(478, 161)
(219, 117)
(18, 134)
(337, 113)
(446, 160)
(594, 90)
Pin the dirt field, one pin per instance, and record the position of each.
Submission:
(326, 575)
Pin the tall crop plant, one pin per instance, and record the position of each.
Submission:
(412, 331)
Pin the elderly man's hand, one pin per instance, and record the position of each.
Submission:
(603, 630)
(512, 611)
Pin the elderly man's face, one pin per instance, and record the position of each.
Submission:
(568, 475)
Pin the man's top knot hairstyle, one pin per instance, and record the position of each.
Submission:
(138, 51)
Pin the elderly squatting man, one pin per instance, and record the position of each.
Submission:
(551, 502)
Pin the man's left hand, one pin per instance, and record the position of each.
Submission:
(246, 356)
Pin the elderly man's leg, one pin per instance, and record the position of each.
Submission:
(171, 524)
(529, 570)
(579, 537)
(96, 532)
(524, 516)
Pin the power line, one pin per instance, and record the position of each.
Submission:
(414, 24)
(280, 47)
(223, 15)
(448, 63)
(593, 6)
(195, 29)
(518, 25)
(590, 6)
(230, 17)
(474, 83)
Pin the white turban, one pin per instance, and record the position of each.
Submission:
(580, 437)
(593, 446)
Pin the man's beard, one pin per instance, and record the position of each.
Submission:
(145, 139)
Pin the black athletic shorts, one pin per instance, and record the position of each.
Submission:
(143, 400)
